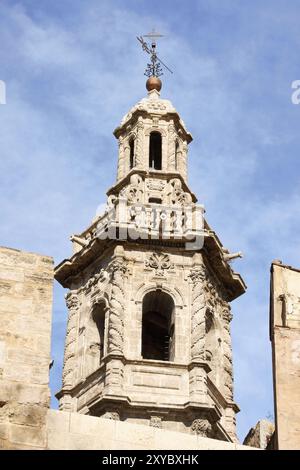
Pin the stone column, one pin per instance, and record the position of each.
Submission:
(139, 149)
(171, 148)
(121, 159)
(126, 158)
(198, 367)
(69, 352)
(198, 309)
(116, 313)
(115, 358)
(183, 160)
(230, 420)
(227, 352)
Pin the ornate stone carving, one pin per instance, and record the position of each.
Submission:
(201, 427)
(99, 277)
(156, 105)
(116, 320)
(156, 422)
(134, 192)
(114, 415)
(155, 185)
(160, 262)
(177, 194)
(227, 352)
(199, 307)
(111, 202)
(226, 312)
(72, 301)
(70, 341)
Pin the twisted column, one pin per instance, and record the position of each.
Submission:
(66, 400)
(70, 341)
(198, 314)
(227, 352)
(116, 314)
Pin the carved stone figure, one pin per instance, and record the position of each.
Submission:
(114, 415)
(134, 192)
(176, 193)
(201, 427)
(156, 422)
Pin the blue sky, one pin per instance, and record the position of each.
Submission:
(72, 70)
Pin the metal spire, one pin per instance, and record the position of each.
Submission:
(153, 68)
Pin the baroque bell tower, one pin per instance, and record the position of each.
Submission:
(148, 333)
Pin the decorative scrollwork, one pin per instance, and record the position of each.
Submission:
(160, 262)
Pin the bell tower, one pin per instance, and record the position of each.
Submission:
(148, 334)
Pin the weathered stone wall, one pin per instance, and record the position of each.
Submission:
(25, 333)
(74, 431)
(285, 337)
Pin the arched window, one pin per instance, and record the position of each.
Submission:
(131, 153)
(95, 338)
(176, 154)
(158, 326)
(155, 151)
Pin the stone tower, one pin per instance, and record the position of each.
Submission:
(148, 334)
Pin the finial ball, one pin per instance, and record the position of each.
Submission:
(153, 83)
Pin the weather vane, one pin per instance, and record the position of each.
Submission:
(154, 68)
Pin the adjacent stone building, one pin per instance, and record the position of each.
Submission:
(285, 338)
(26, 281)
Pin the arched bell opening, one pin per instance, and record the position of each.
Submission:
(158, 326)
(155, 151)
(131, 153)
